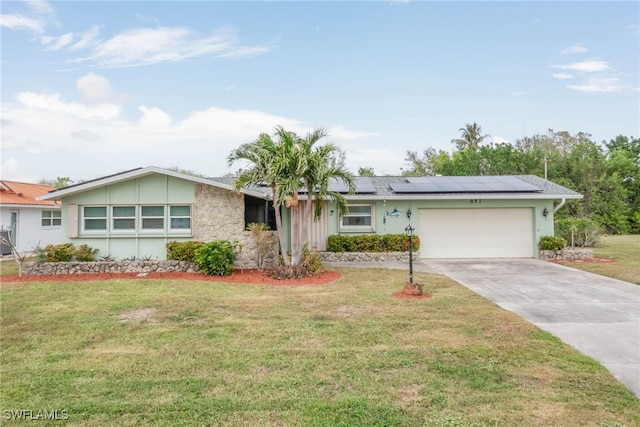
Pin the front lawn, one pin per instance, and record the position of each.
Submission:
(624, 250)
(168, 352)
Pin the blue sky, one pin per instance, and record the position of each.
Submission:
(94, 88)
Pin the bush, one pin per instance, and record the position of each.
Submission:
(85, 253)
(581, 232)
(552, 243)
(66, 252)
(372, 243)
(183, 251)
(312, 262)
(282, 272)
(215, 258)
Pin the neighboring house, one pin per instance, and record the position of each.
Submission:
(135, 213)
(26, 221)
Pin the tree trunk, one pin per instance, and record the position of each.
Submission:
(283, 249)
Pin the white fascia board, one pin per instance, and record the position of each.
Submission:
(31, 206)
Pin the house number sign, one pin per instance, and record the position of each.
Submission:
(475, 201)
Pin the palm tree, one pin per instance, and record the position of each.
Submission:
(471, 137)
(287, 165)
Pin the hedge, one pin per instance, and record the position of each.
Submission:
(372, 243)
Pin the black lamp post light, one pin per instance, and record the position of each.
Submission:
(411, 288)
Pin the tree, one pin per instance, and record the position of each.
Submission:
(288, 165)
(366, 171)
(59, 182)
(471, 137)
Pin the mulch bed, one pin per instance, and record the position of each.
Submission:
(248, 276)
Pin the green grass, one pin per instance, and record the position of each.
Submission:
(167, 353)
(625, 250)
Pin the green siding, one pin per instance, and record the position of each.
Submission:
(385, 224)
(150, 189)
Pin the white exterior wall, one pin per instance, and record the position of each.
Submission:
(29, 231)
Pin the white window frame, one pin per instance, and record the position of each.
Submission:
(171, 217)
(359, 228)
(94, 230)
(113, 218)
(162, 217)
(110, 221)
(53, 217)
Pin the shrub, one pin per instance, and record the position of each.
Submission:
(215, 258)
(85, 253)
(312, 261)
(183, 251)
(262, 236)
(581, 232)
(372, 243)
(281, 271)
(552, 243)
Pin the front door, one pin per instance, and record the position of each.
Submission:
(14, 228)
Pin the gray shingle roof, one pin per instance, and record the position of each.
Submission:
(379, 187)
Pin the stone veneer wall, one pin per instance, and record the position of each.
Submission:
(567, 254)
(367, 256)
(219, 215)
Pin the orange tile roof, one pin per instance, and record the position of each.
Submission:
(22, 193)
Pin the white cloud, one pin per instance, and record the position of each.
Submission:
(54, 104)
(87, 39)
(518, 93)
(146, 46)
(94, 88)
(19, 22)
(341, 133)
(42, 7)
(57, 43)
(585, 66)
(600, 84)
(562, 76)
(91, 137)
(8, 169)
(572, 50)
(154, 118)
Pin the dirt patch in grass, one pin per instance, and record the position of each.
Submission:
(140, 315)
(248, 276)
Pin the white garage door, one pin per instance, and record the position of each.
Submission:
(475, 233)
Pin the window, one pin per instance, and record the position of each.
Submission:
(358, 218)
(133, 219)
(51, 218)
(95, 217)
(152, 218)
(124, 218)
(180, 217)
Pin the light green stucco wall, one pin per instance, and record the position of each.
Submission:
(385, 224)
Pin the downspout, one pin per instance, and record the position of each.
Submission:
(557, 208)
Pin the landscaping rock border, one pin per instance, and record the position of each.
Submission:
(566, 254)
(367, 256)
(55, 268)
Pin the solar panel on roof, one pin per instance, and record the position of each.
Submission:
(363, 185)
(464, 184)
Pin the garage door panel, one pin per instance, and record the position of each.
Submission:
(475, 233)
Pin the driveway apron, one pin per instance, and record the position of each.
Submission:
(598, 316)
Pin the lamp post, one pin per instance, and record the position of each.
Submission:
(409, 232)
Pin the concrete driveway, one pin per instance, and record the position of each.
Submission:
(598, 316)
